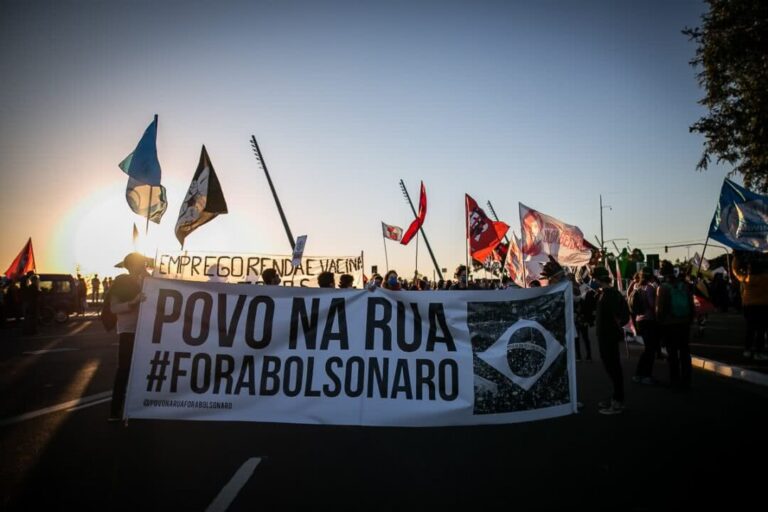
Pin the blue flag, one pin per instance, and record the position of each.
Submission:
(741, 219)
(142, 165)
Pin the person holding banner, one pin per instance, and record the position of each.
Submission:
(326, 280)
(270, 277)
(391, 281)
(125, 297)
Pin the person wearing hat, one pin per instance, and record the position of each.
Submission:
(611, 315)
(124, 298)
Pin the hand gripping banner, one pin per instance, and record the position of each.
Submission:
(212, 351)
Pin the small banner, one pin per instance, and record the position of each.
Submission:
(225, 352)
(247, 268)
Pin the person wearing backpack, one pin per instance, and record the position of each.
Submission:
(675, 312)
(125, 297)
(642, 305)
(611, 315)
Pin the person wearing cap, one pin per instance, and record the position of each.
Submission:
(124, 298)
(611, 315)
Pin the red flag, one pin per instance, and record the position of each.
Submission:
(23, 263)
(419, 220)
(483, 233)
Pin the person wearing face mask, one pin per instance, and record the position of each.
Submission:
(391, 281)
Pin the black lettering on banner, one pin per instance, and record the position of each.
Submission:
(223, 374)
(252, 266)
(425, 374)
(227, 330)
(402, 380)
(337, 308)
(208, 266)
(161, 317)
(177, 370)
(305, 282)
(193, 270)
(204, 360)
(247, 378)
(446, 364)
(250, 326)
(308, 325)
(372, 323)
(222, 269)
(380, 374)
(236, 266)
(272, 375)
(167, 264)
(288, 390)
(336, 389)
(401, 343)
(437, 317)
(359, 377)
(189, 318)
(308, 391)
(183, 262)
(310, 270)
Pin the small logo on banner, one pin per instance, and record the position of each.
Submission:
(520, 357)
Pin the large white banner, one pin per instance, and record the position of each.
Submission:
(229, 352)
(247, 268)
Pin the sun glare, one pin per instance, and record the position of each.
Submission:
(94, 236)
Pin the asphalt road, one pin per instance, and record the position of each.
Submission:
(669, 447)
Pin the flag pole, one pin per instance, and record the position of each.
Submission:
(149, 209)
(466, 236)
(151, 188)
(506, 239)
(260, 158)
(701, 259)
(421, 228)
(416, 272)
(386, 257)
(522, 246)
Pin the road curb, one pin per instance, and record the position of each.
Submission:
(733, 372)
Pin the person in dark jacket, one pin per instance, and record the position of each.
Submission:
(611, 315)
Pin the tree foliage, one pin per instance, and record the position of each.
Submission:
(732, 67)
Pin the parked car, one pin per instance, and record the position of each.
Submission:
(58, 297)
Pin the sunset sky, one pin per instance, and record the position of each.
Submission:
(547, 103)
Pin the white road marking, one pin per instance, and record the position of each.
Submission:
(72, 405)
(49, 351)
(228, 494)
